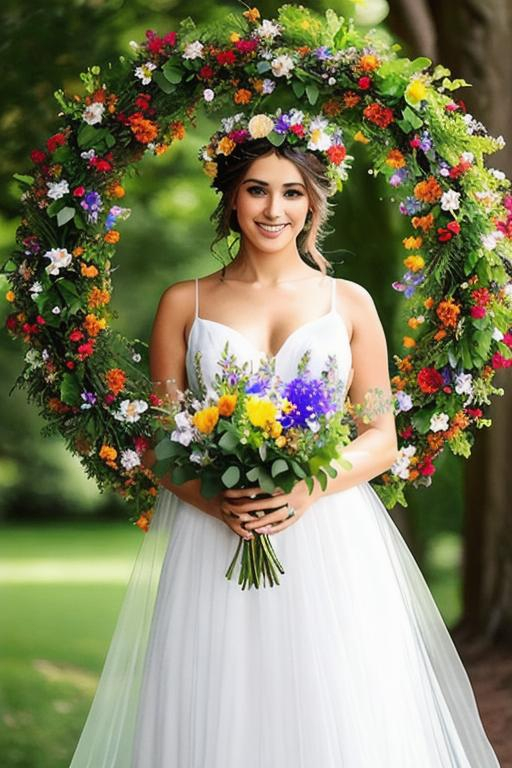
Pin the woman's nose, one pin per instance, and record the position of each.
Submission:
(274, 207)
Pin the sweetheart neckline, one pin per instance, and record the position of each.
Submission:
(259, 351)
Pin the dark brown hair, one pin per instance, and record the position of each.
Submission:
(232, 168)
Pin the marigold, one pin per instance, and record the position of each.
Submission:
(97, 298)
(78, 251)
(10, 296)
(142, 522)
(448, 312)
(435, 441)
(460, 420)
(423, 222)
(112, 236)
(350, 99)
(395, 159)
(429, 302)
(116, 379)
(440, 334)
(88, 270)
(408, 342)
(397, 382)
(405, 364)
(414, 322)
(376, 113)
(109, 454)
(144, 130)
(429, 190)
(252, 14)
(93, 325)
(411, 243)
(242, 96)
(414, 262)
(225, 146)
(206, 419)
(413, 474)
(226, 404)
(331, 108)
(368, 62)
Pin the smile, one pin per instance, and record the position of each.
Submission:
(271, 227)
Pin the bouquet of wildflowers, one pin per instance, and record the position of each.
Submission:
(253, 427)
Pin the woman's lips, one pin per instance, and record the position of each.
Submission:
(272, 235)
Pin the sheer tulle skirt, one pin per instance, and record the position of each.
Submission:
(346, 663)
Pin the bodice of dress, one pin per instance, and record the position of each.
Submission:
(324, 336)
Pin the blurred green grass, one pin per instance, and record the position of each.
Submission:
(61, 592)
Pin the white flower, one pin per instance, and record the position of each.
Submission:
(208, 94)
(35, 289)
(267, 30)
(464, 384)
(56, 310)
(497, 334)
(182, 436)
(45, 355)
(193, 50)
(490, 241)
(404, 401)
(130, 410)
(57, 189)
(136, 357)
(268, 86)
(497, 174)
(130, 459)
(93, 113)
(282, 66)
(313, 424)
(401, 466)
(59, 259)
(144, 72)
(33, 358)
(134, 45)
(467, 157)
(319, 140)
(450, 200)
(183, 420)
(439, 422)
(88, 155)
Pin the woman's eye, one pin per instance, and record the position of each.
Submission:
(292, 191)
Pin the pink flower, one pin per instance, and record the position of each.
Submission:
(478, 311)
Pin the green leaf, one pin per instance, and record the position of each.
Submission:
(276, 138)
(312, 93)
(278, 466)
(298, 88)
(263, 66)
(167, 449)
(231, 476)
(64, 215)
(252, 474)
(172, 72)
(228, 442)
(297, 469)
(163, 83)
(412, 117)
(181, 474)
(210, 485)
(24, 179)
(265, 480)
(421, 420)
(70, 389)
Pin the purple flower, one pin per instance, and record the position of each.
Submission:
(283, 124)
(404, 400)
(426, 141)
(398, 177)
(410, 206)
(89, 399)
(311, 399)
(93, 204)
(322, 53)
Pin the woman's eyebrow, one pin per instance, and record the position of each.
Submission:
(265, 183)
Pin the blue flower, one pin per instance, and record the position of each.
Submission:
(310, 398)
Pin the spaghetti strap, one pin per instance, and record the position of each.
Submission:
(197, 297)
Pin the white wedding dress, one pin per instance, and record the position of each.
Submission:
(347, 663)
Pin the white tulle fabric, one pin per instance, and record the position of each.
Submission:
(347, 663)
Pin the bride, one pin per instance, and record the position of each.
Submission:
(347, 662)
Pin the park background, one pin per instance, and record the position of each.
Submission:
(66, 551)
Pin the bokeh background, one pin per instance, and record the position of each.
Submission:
(66, 551)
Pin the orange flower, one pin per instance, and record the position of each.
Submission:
(252, 14)
(368, 62)
(177, 129)
(93, 325)
(87, 270)
(350, 99)
(429, 190)
(78, 251)
(97, 298)
(413, 474)
(441, 333)
(414, 322)
(405, 364)
(112, 236)
(116, 379)
(408, 341)
(10, 296)
(242, 96)
(395, 159)
(435, 441)
(397, 382)
(331, 108)
(144, 130)
(423, 222)
(460, 420)
(226, 404)
(142, 523)
(303, 50)
(414, 262)
(206, 419)
(448, 312)
(115, 190)
(160, 149)
(109, 454)
(429, 302)
(411, 243)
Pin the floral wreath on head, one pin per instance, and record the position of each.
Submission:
(301, 131)
(92, 385)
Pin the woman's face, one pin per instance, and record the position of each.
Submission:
(272, 192)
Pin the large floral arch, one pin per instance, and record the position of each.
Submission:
(92, 384)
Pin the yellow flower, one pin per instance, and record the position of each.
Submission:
(10, 296)
(226, 404)
(275, 428)
(210, 168)
(414, 262)
(206, 419)
(225, 146)
(359, 136)
(281, 441)
(260, 412)
(412, 242)
(416, 91)
(260, 126)
(234, 37)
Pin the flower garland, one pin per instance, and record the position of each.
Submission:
(92, 384)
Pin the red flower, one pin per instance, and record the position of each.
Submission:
(459, 169)
(37, 156)
(481, 296)
(70, 364)
(429, 380)
(246, 46)
(79, 191)
(76, 335)
(507, 339)
(475, 413)
(206, 72)
(86, 350)
(426, 467)
(336, 153)
(415, 142)
(298, 130)
(407, 432)
(364, 82)
(446, 233)
(381, 116)
(142, 101)
(109, 398)
(498, 361)
(478, 312)
(156, 44)
(57, 140)
(141, 443)
(11, 323)
(225, 58)
(40, 320)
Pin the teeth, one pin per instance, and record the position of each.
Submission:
(271, 228)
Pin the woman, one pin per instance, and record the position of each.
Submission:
(347, 662)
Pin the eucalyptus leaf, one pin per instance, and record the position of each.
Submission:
(231, 476)
(64, 215)
(278, 466)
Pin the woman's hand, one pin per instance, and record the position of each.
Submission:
(236, 508)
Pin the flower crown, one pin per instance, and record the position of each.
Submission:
(304, 132)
